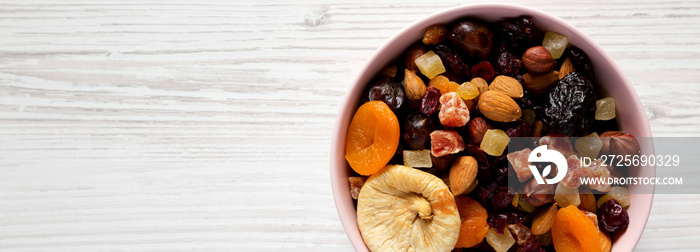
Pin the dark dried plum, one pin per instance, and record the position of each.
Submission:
(570, 106)
(416, 131)
(457, 70)
(518, 33)
(581, 62)
(612, 216)
(388, 91)
(472, 37)
(430, 103)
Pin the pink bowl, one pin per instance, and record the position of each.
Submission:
(631, 116)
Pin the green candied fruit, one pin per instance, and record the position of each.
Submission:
(555, 43)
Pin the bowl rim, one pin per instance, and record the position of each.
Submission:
(343, 206)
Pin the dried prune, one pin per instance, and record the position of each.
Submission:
(472, 37)
(570, 106)
(430, 104)
(518, 33)
(388, 91)
(581, 62)
(612, 217)
(508, 64)
(416, 131)
(457, 70)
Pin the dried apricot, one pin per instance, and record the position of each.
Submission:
(474, 226)
(574, 231)
(372, 138)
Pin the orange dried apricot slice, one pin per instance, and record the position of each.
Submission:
(372, 138)
(474, 226)
(573, 231)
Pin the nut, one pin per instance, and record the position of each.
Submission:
(499, 107)
(507, 85)
(415, 87)
(539, 83)
(538, 194)
(481, 84)
(605, 242)
(463, 174)
(566, 68)
(411, 55)
(605, 138)
(544, 220)
(538, 60)
(624, 145)
(356, 184)
(477, 127)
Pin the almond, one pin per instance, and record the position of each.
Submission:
(463, 174)
(539, 83)
(507, 85)
(544, 220)
(498, 106)
(566, 68)
(537, 60)
(415, 87)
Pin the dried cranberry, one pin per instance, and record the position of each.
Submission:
(430, 103)
(416, 131)
(508, 64)
(581, 62)
(390, 92)
(484, 70)
(612, 217)
(457, 70)
(518, 129)
(484, 193)
(515, 217)
(502, 198)
(498, 222)
(478, 154)
(532, 247)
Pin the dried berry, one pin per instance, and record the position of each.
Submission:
(430, 104)
(518, 33)
(435, 34)
(515, 217)
(612, 217)
(508, 64)
(533, 247)
(416, 131)
(570, 107)
(502, 198)
(457, 70)
(518, 129)
(390, 92)
(484, 70)
(581, 62)
(498, 221)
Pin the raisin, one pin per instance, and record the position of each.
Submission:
(435, 34)
(430, 103)
(388, 91)
(532, 247)
(508, 64)
(612, 217)
(416, 131)
(484, 70)
(570, 106)
(518, 129)
(453, 111)
(581, 62)
(457, 70)
(518, 33)
(515, 217)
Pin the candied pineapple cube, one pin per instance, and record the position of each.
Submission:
(555, 43)
(605, 109)
(417, 159)
(500, 242)
(430, 64)
(589, 146)
(618, 193)
(565, 196)
(495, 142)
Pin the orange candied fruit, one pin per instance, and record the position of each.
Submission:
(573, 231)
(474, 225)
(443, 84)
(372, 138)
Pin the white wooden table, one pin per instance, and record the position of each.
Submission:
(179, 126)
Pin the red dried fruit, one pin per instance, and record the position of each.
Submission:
(574, 173)
(521, 233)
(612, 217)
(484, 70)
(457, 70)
(598, 169)
(558, 142)
(519, 161)
(430, 104)
(453, 111)
(444, 142)
(508, 64)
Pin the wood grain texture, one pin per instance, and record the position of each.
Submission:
(188, 125)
